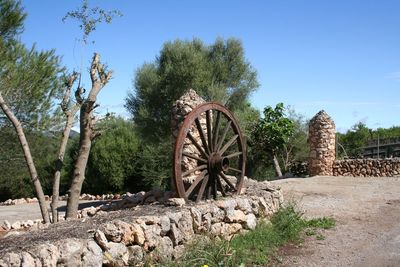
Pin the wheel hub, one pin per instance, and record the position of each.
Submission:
(217, 163)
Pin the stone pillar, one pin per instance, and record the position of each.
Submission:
(182, 107)
(321, 139)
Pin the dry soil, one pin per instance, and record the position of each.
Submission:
(367, 213)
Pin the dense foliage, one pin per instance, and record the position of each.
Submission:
(14, 175)
(218, 72)
(270, 135)
(111, 166)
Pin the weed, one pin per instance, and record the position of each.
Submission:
(324, 223)
(310, 232)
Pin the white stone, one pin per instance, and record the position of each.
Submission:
(237, 216)
(101, 239)
(27, 260)
(92, 255)
(70, 252)
(251, 221)
(16, 225)
(119, 254)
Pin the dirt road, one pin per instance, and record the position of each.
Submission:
(367, 211)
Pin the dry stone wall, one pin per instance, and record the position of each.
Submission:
(321, 140)
(367, 167)
(152, 231)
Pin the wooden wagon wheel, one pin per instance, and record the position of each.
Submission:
(210, 154)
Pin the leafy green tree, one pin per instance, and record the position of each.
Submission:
(296, 148)
(14, 177)
(271, 133)
(353, 141)
(218, 72)
(112, 160)
(154, 164)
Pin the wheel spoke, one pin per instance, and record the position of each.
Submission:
(208, 190)
(228, 125)
(216, 131)
(219, 183)
(236, 170)
(202, 187)
(209, 130)
(199, 148)
(198, 168)
(214, 187)
(202, 136)
(233, 139)
(194, 157)
(195, 183)
(223, 176)
(234, 155)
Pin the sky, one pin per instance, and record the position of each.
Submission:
(342, 56)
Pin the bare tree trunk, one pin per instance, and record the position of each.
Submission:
(28, 158)
(276, 166)
(99, 78)
(70, 115)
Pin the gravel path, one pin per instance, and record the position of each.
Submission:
(367, 211)
(31, 211)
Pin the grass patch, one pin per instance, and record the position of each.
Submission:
(255, 247)
(324, 223)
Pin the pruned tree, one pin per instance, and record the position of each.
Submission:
(28, 157)
(88, 19)
(69, 111)
(99, 77)
(271, 133)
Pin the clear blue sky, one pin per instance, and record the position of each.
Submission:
(342, 56)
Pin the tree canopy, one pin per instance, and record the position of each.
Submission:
(271, 134)
(218, 72)
(12, 17)
(29, 79)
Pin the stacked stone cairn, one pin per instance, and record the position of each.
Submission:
(321, 140)
(182, 107)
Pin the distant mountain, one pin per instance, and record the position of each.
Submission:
(73, 134)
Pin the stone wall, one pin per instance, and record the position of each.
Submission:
(321, 140)
(367, 167)
(119, 238)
